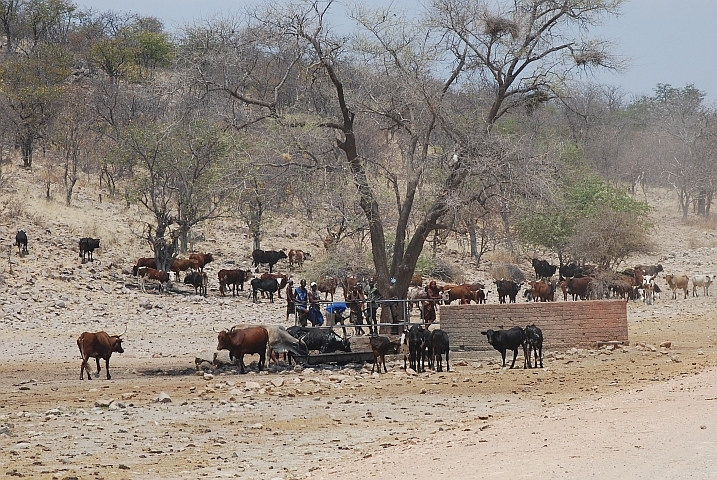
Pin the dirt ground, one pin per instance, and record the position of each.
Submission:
(641, 411)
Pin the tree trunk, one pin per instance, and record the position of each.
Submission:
(26, 145)
(473, 239)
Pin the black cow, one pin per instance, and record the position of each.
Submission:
(21, 242)
(199, 281)
(417, 347)
(503, 340)
(87, 246)
(439, 346)
(267, 257)
(651, 270)
(268, 285)
(322, 339)
(533, 339)
(507, 288)
(543, 269)
(574, 270)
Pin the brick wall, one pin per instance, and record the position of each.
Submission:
(564, 324)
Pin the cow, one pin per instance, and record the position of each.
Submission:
(574, 270)
(269, 257)
(269, 285)
(439, 346)
(414, 295)
(652, 270)
(199, 281)
(201, 258)
(507, 288)
(184, 264)
(380, 346)
(578, 287)
(322, 339)
(146, 273)
(87, 246)
(503, 340)
(328, 286)
(280, 341)
(144, 262)
(416, 345)
(649, 288)
(297, 257)
(543, 269)
(678, 282)
(250, 340)
(533, 340)
(463, 293)
(347, 284)
(703, 281)
(21, 242)
(542, 290)
(98, 345)
(279, 277)
(233, 278)
(416, 281)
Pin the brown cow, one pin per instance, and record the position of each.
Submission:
(249, 340)
(462, 293)
(578, 287)
(380, 346)
(144, 262)
(678, 282)
(297, 257)
(416, 281)
(160, 276)
(328, 285)
(233, 278)
(543, 291)
(184, 264)
(201, 258)
(98, 345)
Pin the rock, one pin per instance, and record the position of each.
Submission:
(104, 403)
(277, 382)
(252, 385)
(666, 344)
(208, 376)
(163, 398)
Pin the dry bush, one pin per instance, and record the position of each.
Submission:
(507, 271)
(445, 271)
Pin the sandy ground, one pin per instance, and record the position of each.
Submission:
(642, 411)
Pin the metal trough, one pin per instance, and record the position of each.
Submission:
(340, 358)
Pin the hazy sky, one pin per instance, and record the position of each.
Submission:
(667, 41)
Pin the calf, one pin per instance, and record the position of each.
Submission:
(439, 346)
(268, 285)
(533, 340)
(98, 345)
(199, 281)
(416, 342)
(235, 278)
(678, 282)
(503, 340)
(703, 281)
(159, 276)
(297, 257)
(87, 246)
(380, 346)
(144, 262)
(21, 242)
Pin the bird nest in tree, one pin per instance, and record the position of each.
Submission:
(589, 57)
(496, 26)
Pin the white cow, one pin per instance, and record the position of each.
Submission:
(703, 281)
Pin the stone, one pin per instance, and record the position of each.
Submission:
(163, 398)
(104, 403)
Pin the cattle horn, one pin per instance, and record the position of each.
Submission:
(125, 330)
(214, 330)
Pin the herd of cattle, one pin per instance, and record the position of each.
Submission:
(418, 344)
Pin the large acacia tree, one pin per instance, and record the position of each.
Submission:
(287, 64)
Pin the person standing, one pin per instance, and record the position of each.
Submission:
(372, 297)
(290, 308)
(355, 300)
(301, 302)
(315, 316)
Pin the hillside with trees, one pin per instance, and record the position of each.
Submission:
(386, 133)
